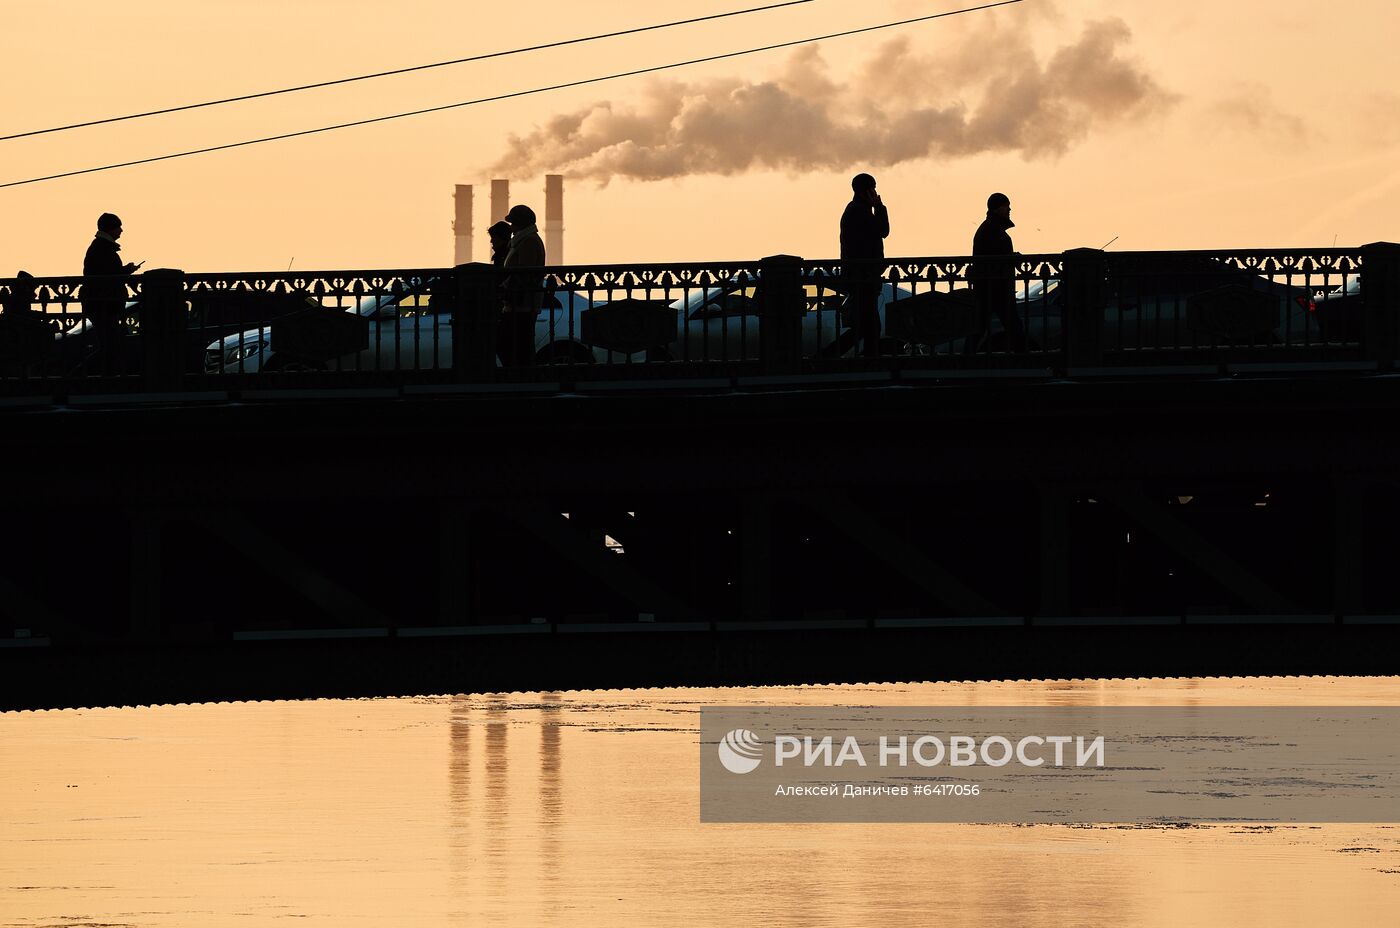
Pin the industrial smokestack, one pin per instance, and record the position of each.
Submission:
(462, 225)
(554, 218)
(500, 200)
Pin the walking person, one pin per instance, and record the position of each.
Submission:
(104, 290)
(865, 225)
(994, 274)
(524, 290)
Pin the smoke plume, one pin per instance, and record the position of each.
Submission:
(1250, 110)
(989, 93)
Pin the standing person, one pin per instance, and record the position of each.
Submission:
(524, 290)
(104, 293)
(864, 227)
(500, 242)
(505, 320)
(994, 275)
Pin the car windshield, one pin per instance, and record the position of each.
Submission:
(414, 301)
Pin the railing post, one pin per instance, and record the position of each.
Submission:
(1081, 325)
(475, 313)
(780, 323)
(163, 320)
(1380, 301)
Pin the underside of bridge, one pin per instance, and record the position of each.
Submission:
(328, 544)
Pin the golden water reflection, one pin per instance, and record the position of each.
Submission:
(581, 808)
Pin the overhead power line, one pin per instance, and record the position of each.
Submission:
(514, 94)
(408, 70)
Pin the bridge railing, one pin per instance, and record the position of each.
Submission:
(1264, 304)
(1091, 308)
(166, 330)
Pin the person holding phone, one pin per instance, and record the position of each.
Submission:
(865, 225)
(104, 292)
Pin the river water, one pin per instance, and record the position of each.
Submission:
(581, 808)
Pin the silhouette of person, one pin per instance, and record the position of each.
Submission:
(524, 291)
(500, 242)
(864, 226)
(505, 321)
(18, 305)
(21, 296)
(994, 273)
(104, 291)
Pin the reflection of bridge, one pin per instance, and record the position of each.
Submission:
(895, 519)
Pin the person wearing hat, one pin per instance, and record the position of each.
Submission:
(104, 293)
(865, 224)
(515, 342)
(994, 274)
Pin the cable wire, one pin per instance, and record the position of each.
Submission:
(512, 95)
(396, 71)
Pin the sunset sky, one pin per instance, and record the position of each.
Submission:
(1189, 124)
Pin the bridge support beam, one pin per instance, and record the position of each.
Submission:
(1348, 547)
(605, 566)
(145, 593)
(1201, 552)
(927, 575)
(293, 569)
(1054, 551)
(457, 566)
(756, 556)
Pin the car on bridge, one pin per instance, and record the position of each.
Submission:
(1177, 301)
(210, 313)
(723, 323)
(405, 332)
(720, 324)
(1336, 312)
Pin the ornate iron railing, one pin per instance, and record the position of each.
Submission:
(167, 330)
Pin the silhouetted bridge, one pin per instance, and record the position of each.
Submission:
(1218, 502)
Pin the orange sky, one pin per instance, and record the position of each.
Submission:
(1262, 124)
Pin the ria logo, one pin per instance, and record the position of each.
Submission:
(740, 751)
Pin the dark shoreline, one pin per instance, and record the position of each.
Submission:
(553, 658)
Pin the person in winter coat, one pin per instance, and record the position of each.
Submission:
(994, 273)
(500, 242)
(865, 225)
(104, 293)
(524, 290)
